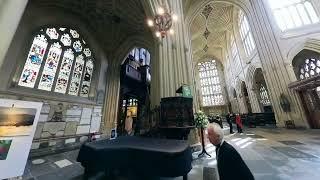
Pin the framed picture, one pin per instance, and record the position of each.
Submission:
(4, 148)
(16, 121)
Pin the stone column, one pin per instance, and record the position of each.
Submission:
(258, 107)
(242, 104)
(174, 58)
(254, 101)
(10, 15)
(112, 99)
(274, 69)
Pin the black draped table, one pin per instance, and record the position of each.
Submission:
(141, 155)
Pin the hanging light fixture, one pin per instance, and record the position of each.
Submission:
(162, 22)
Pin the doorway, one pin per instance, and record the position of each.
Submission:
(307, 70)
(311, 102)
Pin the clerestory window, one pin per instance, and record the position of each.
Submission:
(291, 14)
(245, 34)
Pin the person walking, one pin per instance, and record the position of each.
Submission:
(128, 124)
(239, 123)
(229, 162)
(228, 118)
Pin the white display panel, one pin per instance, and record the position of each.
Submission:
(18, 123)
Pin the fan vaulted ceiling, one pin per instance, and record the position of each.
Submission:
(209, 29)
(110, 21)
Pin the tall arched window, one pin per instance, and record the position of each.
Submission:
(234, 52)
(245, 34)
(60, 61)
(211, 90)
(264, 97)
(291, 14)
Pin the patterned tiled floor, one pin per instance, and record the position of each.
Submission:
(271, 154)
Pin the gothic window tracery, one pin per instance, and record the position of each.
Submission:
(264, 97)
(309, 68)
(58, 61)
(211, 90)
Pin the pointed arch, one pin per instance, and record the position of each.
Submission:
(309, 44)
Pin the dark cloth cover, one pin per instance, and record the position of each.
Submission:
(157, 157)
(230, 164)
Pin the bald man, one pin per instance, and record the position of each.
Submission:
(230, 164)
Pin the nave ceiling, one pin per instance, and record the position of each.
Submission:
(111, 21)
(209, 29)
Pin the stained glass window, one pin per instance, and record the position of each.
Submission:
(291, 14)
(77, 46)
(77, 74)
(66, 39)
(64, 61)
(52, 33)
(245, 34)
(74, 33)
(33, 63)
(264, 97)
(309, 68)
(50, 67)
(210, 84)
(87, 79)
(87, 52)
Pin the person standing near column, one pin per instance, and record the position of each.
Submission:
(128, 123)
(228, 118)
(239, 123)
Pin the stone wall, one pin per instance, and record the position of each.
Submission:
(216, 110)
(62, 125)
(65, 120)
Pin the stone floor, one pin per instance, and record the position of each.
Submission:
(271, 154)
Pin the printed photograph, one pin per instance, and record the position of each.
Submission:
(16, 121)
(4, 148)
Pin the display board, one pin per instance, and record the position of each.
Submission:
(18, 123)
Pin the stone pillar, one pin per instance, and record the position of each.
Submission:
(10, 15)
(242, 104)
(174, 59)
(274, 69)
(254, 101)
(112, 99)
(256, 94)
(235, 105)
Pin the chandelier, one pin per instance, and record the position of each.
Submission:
(162, 22)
